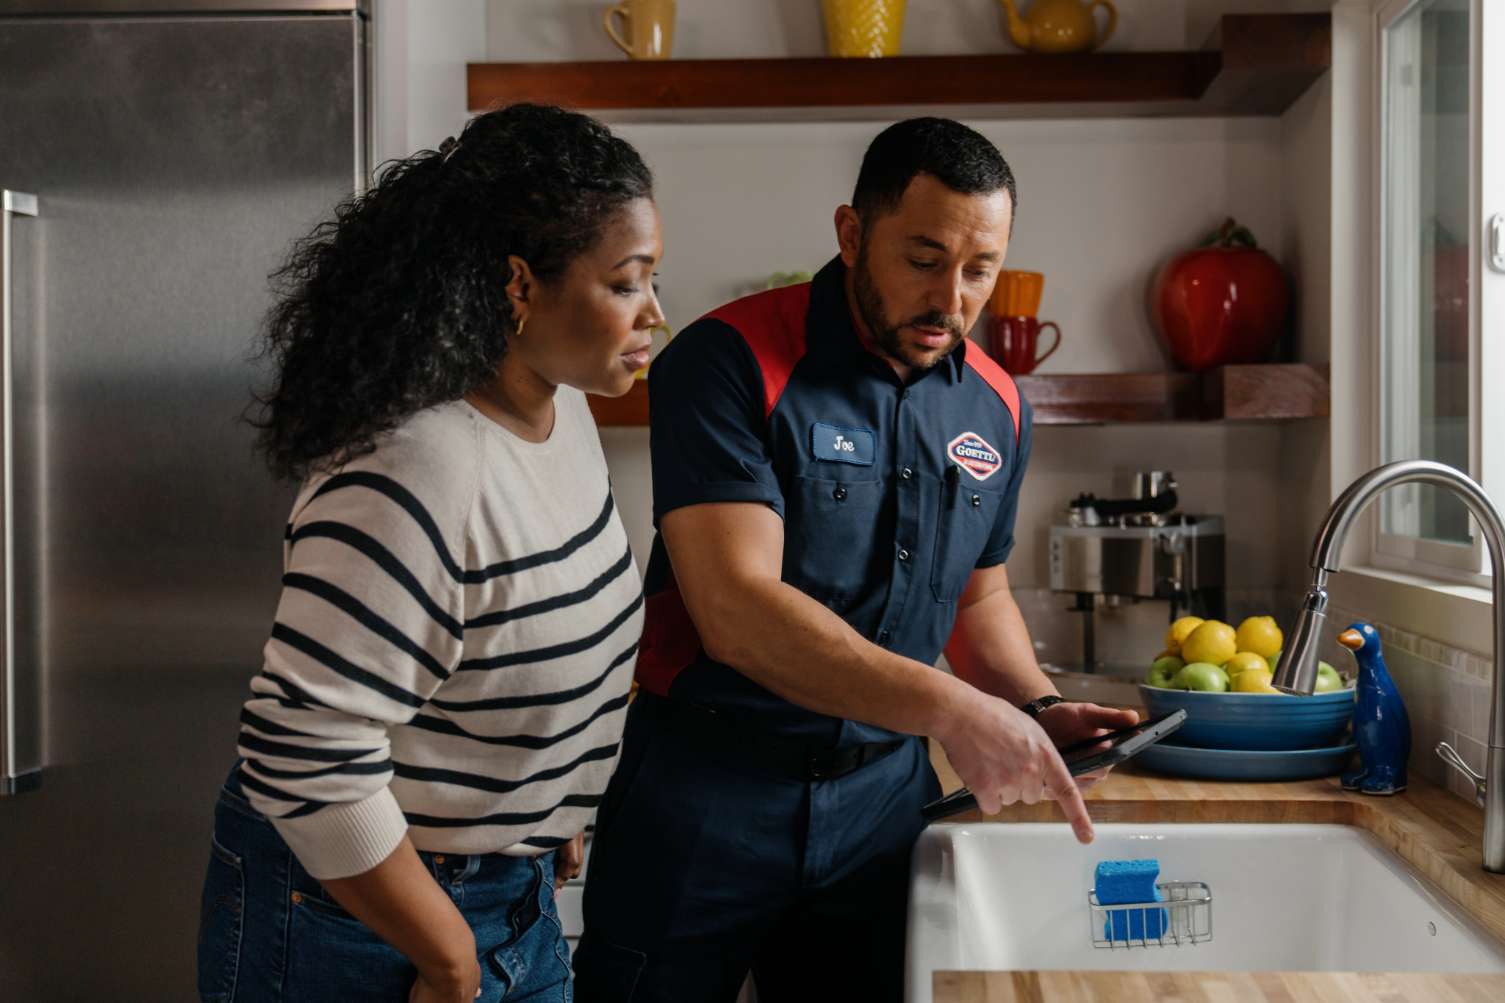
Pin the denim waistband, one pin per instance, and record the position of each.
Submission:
(447, 867)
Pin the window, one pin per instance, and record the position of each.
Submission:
(1432, 272)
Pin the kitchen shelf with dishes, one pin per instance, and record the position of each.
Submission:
(1254, 64)
(1242, 393)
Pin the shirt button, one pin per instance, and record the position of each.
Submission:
(883, 636)
(840, 494)
(906, 473)
(977, 501)
(903, 554)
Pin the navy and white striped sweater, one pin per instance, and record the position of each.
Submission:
(453, 647)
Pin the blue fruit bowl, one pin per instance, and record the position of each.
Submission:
(1256, 721)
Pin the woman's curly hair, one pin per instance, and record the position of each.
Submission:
(399, 302)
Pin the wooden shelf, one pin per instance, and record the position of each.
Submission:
(1255, 64)
(1230, 393)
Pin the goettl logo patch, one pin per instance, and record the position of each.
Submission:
(973, 454)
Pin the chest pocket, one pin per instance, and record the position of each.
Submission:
(828, 536)
(962, 527)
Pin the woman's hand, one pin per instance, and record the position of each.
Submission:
(568, 861)
(460, 986)
(400, 902)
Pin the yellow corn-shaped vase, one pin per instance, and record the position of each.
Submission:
(864, 27)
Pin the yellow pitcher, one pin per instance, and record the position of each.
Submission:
(1059, 25)
(863, 27)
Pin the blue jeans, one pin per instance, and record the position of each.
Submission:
(270, 933)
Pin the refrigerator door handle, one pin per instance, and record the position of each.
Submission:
(14, 777)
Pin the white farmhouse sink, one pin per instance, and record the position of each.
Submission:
(996, 896)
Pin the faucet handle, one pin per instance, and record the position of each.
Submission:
(1449, 755)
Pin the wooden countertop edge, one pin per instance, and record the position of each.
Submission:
(1213, 987)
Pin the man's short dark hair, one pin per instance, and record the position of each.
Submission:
(958, 157)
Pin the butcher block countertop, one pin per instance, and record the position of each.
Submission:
(1215, 987)
(1435, 832)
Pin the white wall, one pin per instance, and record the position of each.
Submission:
(419, 72)
(1102, 203)
(1310, 173)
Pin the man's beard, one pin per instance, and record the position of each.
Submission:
(886, 334)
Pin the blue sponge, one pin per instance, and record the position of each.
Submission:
(1119, 882)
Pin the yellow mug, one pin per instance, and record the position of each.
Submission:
(649, 27)
(864, 27)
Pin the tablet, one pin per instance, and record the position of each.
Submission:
(1082, 757)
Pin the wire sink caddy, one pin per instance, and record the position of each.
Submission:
(1183, 918)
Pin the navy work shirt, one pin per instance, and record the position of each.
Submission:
(891, 493)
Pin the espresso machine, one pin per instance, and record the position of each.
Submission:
(1108, 552)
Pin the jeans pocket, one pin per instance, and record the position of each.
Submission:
(533, 961)
(331, 955)
(606, 972)
(221, 924)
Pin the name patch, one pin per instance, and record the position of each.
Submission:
(843, 445)
(972, 453)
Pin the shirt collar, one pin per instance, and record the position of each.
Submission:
(830, 328)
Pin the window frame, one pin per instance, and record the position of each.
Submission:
(1435, 559)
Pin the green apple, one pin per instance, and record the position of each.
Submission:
(1164, 670)
(1328, 679)
(1203, 676)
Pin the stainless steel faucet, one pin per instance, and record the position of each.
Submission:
(1298, 666)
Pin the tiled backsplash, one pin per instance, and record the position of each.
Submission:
(1446, 690)
(1128, 635)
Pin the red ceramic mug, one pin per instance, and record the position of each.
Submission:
(1015, 340)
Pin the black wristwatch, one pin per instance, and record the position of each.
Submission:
(1034, 707)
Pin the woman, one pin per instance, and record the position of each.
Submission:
(443, 692)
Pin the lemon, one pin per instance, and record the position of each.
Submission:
(1178, 631)
(1246, 661)
(1253, 681)
(1260, 635)
(1212, 641)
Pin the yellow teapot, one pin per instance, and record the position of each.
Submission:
(1059, 25)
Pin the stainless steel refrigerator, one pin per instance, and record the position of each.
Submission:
(158, 160)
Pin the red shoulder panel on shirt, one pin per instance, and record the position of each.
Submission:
(1001, 382)
(670, 642)
(773, 325)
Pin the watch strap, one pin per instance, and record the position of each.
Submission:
(1034, 707)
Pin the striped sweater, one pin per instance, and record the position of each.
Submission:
(453, 646)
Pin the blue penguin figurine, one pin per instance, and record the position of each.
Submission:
(1380, 724)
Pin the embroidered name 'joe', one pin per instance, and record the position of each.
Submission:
(844, 445)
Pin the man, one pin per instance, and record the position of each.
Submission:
(835, 478)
